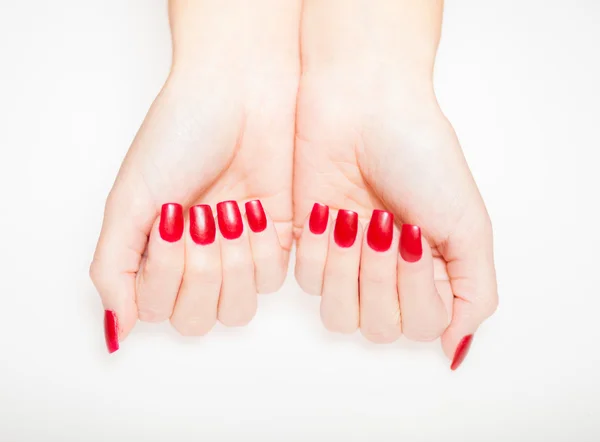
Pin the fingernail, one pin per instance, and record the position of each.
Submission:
(111, 331)
(319, 217)
(461, 351)
(257, 220)
(411, 248)
(230, 219)
(346, 226)
(202, 224)
(171, 222)
(381, 230)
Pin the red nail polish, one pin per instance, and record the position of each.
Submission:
(461, 351)
(202, 224)
(257, 220)
(319, 217)
(111, 331)
(381, 230)
(411, 248)
(171, 222)
(230, 219)
(346, 226)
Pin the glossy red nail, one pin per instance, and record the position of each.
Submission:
(319, 217)
(411, 248)
(257, 220)
(346, 226)
(230, 219)
(381, 230)
(111, 331)
(171, 222)
(461, 351)
(202, 224)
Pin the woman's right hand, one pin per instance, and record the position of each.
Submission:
(221, 129)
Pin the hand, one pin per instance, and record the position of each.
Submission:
(221, 129)
(370, 135)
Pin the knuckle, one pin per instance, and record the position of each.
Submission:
(193, 326)
(339, 320)
(423, 334)
(377, 278)
(425, 327)
(157, 265)
(381, 334)
(207, 272)
(489, 305)
(235, 264)
(98, 272)
(148, 313)
(237, 316)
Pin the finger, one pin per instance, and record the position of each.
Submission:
(311, 253)
(127, 221)
(424, 316)
(160, 276)
(237, 302)
(472, 276)
(339, 303)
(379, 307)
(267, 254)
(195, 310)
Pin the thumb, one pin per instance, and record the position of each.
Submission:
(469, 254)
(128, 218)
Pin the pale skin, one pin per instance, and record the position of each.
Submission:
(293, 103)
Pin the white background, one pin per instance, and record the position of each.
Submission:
(521, 82)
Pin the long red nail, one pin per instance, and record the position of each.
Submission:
(381, 230)
(346, 226)
(171, 222)
(202, 224)
(411, 248)
(111, 331)
(230, 219)
(257, 220)
(461, 351)
(319, 217)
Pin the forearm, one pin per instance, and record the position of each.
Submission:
(239, 34)
(403, 33)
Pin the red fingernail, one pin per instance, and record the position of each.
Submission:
(411, 248)
(319, 217)
(171, 222)
(346, 226)
(461, 351)
(202, 224)
(111, 331)
(230, 219)
(257, 220)
(381, 230)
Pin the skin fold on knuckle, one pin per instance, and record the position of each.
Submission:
(381, 334)
(236, 315)
(192, 326)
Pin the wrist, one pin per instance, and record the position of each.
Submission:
(399, 35)
(235, 36)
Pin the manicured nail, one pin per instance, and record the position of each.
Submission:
(411, 248)
(257, 220)
(202, 224)
(230, 219)
(346, 226)
(381, 230)
(111, 331)
(319, 217)
(171, 222)
(461, 351)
